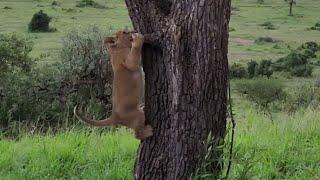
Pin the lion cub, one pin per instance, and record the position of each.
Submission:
(125, 51)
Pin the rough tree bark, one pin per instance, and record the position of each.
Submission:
(186, 74)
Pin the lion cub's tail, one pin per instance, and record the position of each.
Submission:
(102, 123)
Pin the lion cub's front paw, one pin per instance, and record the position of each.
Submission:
(137, 40)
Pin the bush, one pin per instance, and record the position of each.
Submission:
(262, 92)
(301, 71)
(14, 53)
(265, 68)
(46, 97)
(316, 26)
(252, 68)
(7, 7)
(238, 71)
(55, 3)
(298, 63)
(40, 22)
(89, 3)
(264, 40)
(262, 69)
(313, 47)
(268, 25)
(303, 96)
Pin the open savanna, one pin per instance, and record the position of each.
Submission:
(288, 148)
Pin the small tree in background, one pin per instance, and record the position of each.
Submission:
(291, 3)
(263, 92)
(40, 22)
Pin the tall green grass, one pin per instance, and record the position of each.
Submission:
(75, 154)
(287, 149)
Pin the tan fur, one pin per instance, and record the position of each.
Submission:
(125, 51)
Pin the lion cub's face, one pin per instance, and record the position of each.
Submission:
(120, 39)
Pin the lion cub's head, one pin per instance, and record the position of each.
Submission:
(119, 40)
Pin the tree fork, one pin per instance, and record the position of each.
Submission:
(186, 80)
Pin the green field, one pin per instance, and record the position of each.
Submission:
(288, 148)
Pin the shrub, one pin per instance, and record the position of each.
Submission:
(316, 26)
(301, 71)
(268, 25)
(89, 3)
(234, 8)
(297, 62)
(264, 40)
(252, 68)
(40, 22)
(317, 83)
(86, 66)
(303, 96)
(262, 92)
(69, 10)
(265, 68)
(7, 7)
(311, 46)
(14, 53)
(238, 71)
(55, 3)
(45, 98)
(231, 29)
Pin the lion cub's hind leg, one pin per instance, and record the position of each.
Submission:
(144, 132)
(136, 120)
(141, 130)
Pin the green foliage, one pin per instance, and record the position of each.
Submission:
(238, 71)
(263, 69)
(268, 25)
(252, 68)
(89, 3)
(316, 26)
(14, 53)
(55, 3)
(214, 157)
(266, 39)
(7, 7)
(262, 92)
(260, 1)
(84, 62)
(302, 71)
(40, 22)
(298, 61)
(46, 97)
(302, 97)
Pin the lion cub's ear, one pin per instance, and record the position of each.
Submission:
(109, 42)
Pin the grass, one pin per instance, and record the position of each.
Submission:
(287, 149)
(76, 154)
(17, 19)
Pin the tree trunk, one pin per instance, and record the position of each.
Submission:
(186, 75)
(291, 4)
